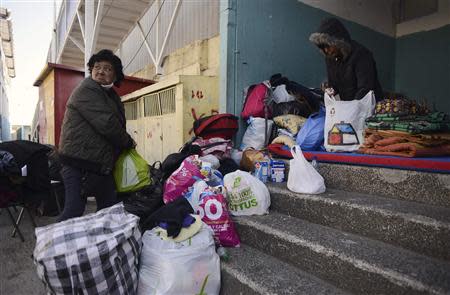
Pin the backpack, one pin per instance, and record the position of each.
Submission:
(254, 102)
(220, 125)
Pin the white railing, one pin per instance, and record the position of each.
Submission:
(66, 15)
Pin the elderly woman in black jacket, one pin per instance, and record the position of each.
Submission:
(93, 135)
(351, 68)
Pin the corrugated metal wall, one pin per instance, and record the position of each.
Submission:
(196, 20)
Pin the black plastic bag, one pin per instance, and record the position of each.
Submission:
(173, 161)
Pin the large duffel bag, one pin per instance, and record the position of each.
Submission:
(93, 254)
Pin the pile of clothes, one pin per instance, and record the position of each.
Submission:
(401, 127)
(280, 114)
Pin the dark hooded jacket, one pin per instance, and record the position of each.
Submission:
(94, 128)
(354, 73)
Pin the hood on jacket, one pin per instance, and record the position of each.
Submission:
(333, 33)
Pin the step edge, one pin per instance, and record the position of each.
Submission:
(245, 280)
(395, 277)
(411, 217)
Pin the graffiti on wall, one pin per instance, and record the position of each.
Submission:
(197, 94)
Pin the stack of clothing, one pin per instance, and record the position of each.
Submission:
(402, 128)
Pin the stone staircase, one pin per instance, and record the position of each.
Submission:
(375, 231)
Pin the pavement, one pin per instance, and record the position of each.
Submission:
(17, 270)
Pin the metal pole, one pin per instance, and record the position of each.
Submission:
(89, 14)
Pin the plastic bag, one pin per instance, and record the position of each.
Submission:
(182, 268)
(303, 178)
(247, 195)
(254, 135)
(181, 179)
(280, 94)
(236, 155)
(345, 122)
(210, 203)
(215, 163)
(131, 172)
(310, 136)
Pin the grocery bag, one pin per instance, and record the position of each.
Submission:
(93, 254)
(131, 172)
(247, 195)
(211, 204)
(184, 268)
(254, 135)
(345, 122)
(182, 179)
(303, 178)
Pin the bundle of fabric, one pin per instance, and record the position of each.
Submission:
(287, 129)
(219, 147)
(410, 123)
(405, 144)
(400, 106)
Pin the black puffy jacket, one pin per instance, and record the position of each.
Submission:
(94, 128)
(354, 73)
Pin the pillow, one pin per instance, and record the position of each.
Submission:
(284, 139)
(292, 123)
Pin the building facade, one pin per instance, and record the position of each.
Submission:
(7, 71)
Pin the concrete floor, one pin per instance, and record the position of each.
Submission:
(17, 270)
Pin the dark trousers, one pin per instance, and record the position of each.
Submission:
(80, 184)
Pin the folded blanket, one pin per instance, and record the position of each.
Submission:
(408, 149)
(434, 122)
(381, 137)
(404, 144)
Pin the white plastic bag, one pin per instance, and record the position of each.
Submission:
(168, 267)
(215, 163)
(280, 94)
(254, 135)
(303, 178)
(345, 121)
(247, 195)
(236, 155)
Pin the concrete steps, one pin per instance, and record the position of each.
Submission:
(252, 272)
(421, 228)
(374, 231)
(422, 187)
(348, 261)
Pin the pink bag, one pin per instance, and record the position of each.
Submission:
(182, 179)
(254, 102)
(213, 210)
(218, 147)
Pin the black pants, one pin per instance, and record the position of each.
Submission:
(80, 184)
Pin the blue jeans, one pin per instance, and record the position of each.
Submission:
(80, 184)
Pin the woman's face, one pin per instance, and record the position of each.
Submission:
(103, 73)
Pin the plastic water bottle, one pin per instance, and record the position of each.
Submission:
(223, 253)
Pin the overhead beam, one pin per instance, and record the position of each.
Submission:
(77, 43)
(80, 16)
(169, 30)
(98, 20)
(146, 43)
(89, 11)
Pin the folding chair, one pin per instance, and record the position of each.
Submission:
(13, 204)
